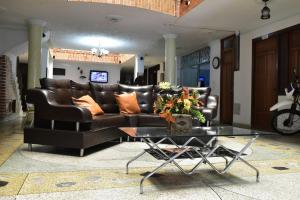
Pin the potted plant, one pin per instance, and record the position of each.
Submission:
(180, 109)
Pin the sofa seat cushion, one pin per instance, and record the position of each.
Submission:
(109, 120)
(151, 120)
(132, 119)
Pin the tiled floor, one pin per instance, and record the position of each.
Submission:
(50, 173)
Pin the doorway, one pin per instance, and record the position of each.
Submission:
(274, 62)
(22, 72)
(227, 78)
(264, 82)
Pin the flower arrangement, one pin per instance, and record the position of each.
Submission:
(164, 85)
(167, 105)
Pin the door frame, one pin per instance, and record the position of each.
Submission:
(221, 79)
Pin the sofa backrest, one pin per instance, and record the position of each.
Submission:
(144, 96)
(79, 90)
(104, 95)
(61, 88)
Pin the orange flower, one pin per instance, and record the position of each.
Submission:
(200, 103)
(168, 116)
(185, 93)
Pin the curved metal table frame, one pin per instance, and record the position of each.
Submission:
(204, 153)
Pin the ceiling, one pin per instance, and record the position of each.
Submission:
(75, 25)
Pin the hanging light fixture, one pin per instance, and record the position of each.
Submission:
(265, 12)
(99, 52)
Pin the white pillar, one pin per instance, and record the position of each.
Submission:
(44, 60)
(170, 58)
(35, 32)
(50, 66)
(45, 56)
(139, 65)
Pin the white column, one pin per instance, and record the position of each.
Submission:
(170, 58)
(139, 65)
(35, 32)
(50, 66)
(45, 56)
(44, 60)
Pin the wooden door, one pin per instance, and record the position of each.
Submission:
(294, 56)
(264, 82)
(227, 78)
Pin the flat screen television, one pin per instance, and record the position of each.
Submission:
(59, 71)
(98, 76)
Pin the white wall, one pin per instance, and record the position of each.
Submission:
(74, 74)
(215, 51)
(10, 38)
(243, 77)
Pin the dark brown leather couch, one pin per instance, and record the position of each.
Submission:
(58, 122)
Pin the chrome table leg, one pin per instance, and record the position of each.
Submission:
(133, 159)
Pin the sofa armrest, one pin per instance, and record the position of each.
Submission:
(45, 107)
(210, 111)
(213, 103)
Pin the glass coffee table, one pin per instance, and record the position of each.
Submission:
(154, 136)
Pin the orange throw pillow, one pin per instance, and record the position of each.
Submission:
(128, 103)
(89, 103)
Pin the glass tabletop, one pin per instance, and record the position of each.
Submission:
(160, 132)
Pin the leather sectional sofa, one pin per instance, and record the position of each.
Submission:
(58, 122)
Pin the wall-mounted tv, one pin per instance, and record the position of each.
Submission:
(98, 76)
(59, 71)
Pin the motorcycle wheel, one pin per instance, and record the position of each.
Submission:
(281, 121)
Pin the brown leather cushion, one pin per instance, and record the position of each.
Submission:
(144, 96)
(104, 95)
(79, 90)
(128, 103)
(88, 102)
(132, 119)
(109, 120)
(61, 88)
(151, 120)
